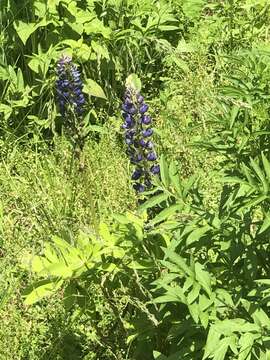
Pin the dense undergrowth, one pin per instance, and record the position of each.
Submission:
(90, 269)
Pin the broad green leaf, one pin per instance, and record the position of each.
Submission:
(178, 260)
(255, 201)
(166, 298)
(194, 312)
(166, 213)
(212, 342)
(6, 110)
(263, 281)
(246, 342)
(203, 277)
(266, 165)
(4, 73)
(194, 293)
(40, 290)
(266, 223)
(24, 30)
(100, 50)
(196, 234)
(153, 201)
(192, 8)
(134, 82)
(96, 26)
(260, 175)
(168, 27)
(222, 348)
(57, 270)
(204, 318)
(92, 88)
(233, 116)
(175, 178)
(164, 171)
(204, 302)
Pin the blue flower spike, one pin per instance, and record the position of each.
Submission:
(69, 88)
(137, 136)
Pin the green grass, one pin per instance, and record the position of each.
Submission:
(41, 196)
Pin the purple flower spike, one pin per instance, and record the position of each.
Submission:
(139, 187)
(137, 174)
(140, 150)
(69, 87)
(143, 143)
(129, 108)
(146, 119)
(147, 132)
(149, 145)
(155, 169)
(127, 116)
(151, 156)
(143, 108)
(136, 158)
(140, 98)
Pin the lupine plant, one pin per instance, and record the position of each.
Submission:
(138, 133)
(71, 99)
